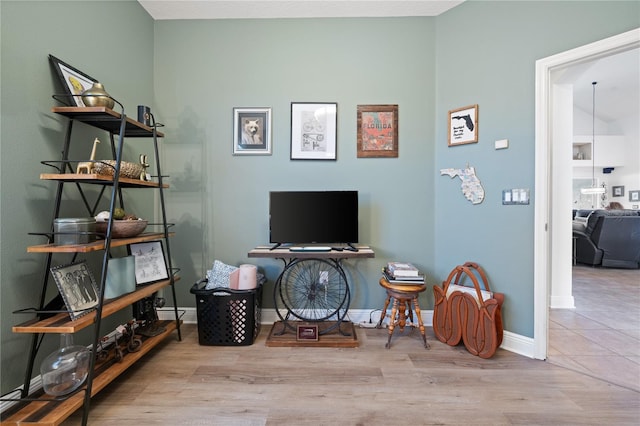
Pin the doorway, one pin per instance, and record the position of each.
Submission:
(552, 254)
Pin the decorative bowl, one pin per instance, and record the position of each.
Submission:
(123, 228)
(127, 169)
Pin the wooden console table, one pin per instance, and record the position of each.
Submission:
(312, 286)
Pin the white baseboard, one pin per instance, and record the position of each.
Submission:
(562, 302)
(511, 342)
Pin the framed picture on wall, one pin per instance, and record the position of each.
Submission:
(252, 131)
(463, 125)
(313, 130)
(634, 195)
(617, 191)
(73, 81)
(377, 131)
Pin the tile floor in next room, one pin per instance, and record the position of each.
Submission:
(601, 336)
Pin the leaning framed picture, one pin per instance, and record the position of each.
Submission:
(634, 195)
(73, 81)
(463, 125)
(377, 131)
(313, 130)
(150, 264)
(77, 287)
(252, 131)
(617, 191)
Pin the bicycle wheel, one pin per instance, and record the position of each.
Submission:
(314, 290)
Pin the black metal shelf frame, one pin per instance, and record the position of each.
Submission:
(114, 124)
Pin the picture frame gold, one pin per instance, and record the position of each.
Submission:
(377, 131)
(463, 125)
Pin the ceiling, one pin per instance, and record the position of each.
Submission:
(618, 85)
(618, 76)
(241, 9)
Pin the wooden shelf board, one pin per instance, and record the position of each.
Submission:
(53, 413)
(95, 178)
(62, 323)
(106, 119)
(96, 245)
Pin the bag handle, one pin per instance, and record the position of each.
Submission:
(468, 268)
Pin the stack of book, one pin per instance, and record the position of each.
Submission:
(402, 273)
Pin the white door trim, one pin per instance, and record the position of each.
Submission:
(543, 140)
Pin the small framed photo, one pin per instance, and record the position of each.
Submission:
(73, 81)
(617, 191)
(313, 131)
(307, 332)
(77, 287)
(252, 131)
(463, 125)
(377, 131)
(150, 264)
(634, 195)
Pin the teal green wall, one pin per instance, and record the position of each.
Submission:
(486, 55)
(110, 41)
(206, 68)
(192, 74)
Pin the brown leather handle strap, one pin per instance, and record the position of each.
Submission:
(480, 271)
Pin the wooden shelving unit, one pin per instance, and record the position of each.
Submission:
(37, 407)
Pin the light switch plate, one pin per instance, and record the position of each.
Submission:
(502, 144)
(516, 196)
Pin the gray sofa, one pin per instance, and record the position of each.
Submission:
(609, 238)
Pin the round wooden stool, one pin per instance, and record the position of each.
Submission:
(405, 301)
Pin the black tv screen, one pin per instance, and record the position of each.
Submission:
(313, 217)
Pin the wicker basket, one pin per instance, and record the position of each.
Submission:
(127, 169)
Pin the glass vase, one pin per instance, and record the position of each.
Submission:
(64, 370)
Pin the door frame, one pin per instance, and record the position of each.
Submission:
(544, 170)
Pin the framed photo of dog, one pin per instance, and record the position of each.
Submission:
(252, 131)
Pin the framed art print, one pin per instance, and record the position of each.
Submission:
(74, 81)
(463, 125)
(77, 287)
(313, 131)
(634, 196)
(617, 191)
(377, 131)
(252, 131)
(150, 265)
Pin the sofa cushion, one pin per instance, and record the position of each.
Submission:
(593, 217)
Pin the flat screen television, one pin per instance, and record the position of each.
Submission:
(313, 217)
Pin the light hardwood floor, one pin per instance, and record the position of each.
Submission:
(183, 383)
(601, 337)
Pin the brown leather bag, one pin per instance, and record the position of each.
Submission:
(470, 314)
